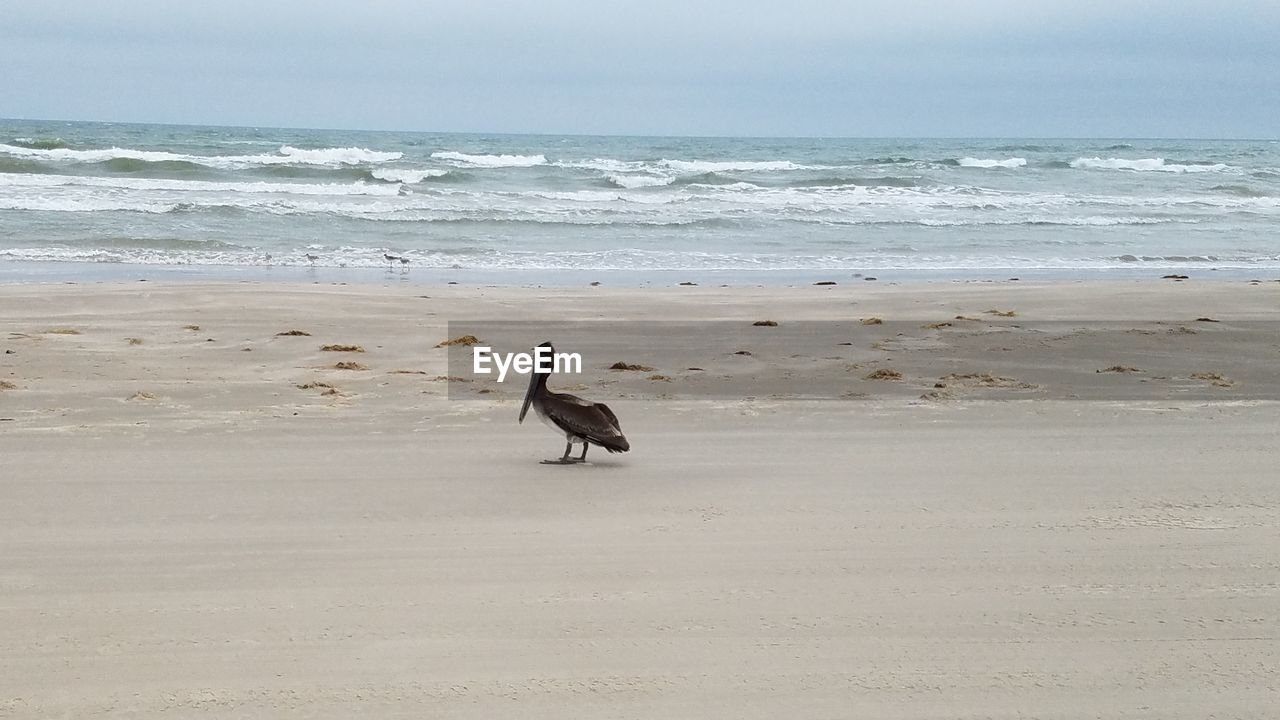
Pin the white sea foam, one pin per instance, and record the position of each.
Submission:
(609, 165)
(1087, 221)
(86, 204)
(66, 154)
(1146, 165)
(576, 196)
(490, 161)
(406, 175)
(332, 156)
(698, 167)
(737, 187)
(287, 156)
(660, 204)
(18, 181)
(1013, 162)
(639, 181)
(623, 258)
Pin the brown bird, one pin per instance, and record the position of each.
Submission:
(581, 421)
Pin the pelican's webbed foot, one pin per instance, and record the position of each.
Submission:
(566, 459)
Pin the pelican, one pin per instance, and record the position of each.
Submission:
(581, 421)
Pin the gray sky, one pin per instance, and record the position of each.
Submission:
(1073, 68)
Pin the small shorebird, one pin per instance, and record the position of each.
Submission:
(312, 258)
(581, 421)
(391, 259)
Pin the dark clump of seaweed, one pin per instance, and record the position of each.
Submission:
(1119, 369)
(630, 366)
(884, 374)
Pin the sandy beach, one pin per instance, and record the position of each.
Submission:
(1001, 500)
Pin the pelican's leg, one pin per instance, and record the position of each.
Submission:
(564, 459)
(583, 456)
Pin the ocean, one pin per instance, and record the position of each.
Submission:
(80, 196)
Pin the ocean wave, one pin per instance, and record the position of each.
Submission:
(87, 205)
(194, 186)
(1034, 221)
(155, 242)
(1240, 191)
(1168, 258)
(40, 143)
(287, 155)
(317, 173)
(490, 161)
(406, 175)
(739, 186)
(1022, 148)
(607, 165)
(631, 182)
(135, 166)
(707, 178)
(574, 196)
(486, 258)
(888, 161)
(329, 156)
(1147, 165)
(706, 194)
(970, 162)
(20, 165)
(699, 167)
(838, 182)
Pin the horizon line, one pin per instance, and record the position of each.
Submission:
(642, 135)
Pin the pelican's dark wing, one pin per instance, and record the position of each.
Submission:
(609, 414)
(593, 421)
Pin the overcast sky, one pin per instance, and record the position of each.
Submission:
(985, 68)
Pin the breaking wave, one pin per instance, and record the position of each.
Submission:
(699, 167)
(1147, 165)
(187, 186)
(1013, 162)
(490, 161)
(1240, 191)
(630, 182)
(838, 182)
(287, 155)
(40, 143)
(405, 175)
(709, 178)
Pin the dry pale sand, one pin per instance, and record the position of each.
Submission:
(186, 532)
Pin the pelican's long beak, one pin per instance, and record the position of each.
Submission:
(533, 383)
(528, 395)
